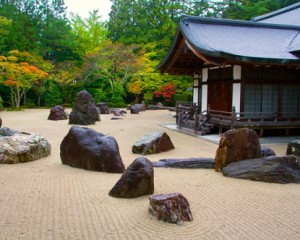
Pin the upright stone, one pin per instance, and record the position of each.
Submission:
(136, 181)
(151, 143)
(84, 111)
(172, 208)
(87, 149)
(235, 145)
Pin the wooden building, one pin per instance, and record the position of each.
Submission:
(246, 73)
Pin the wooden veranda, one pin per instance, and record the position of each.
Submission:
(189, 116)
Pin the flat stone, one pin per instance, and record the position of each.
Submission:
(274, 169)
(186, 163)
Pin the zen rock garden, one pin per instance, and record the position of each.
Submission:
(239, 155)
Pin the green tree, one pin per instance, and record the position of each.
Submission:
(111, 66)
(90, 33)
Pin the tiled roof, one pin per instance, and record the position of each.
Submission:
(243, 40)
(289, 15)
(234, 40)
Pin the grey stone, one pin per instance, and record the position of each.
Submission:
(22, 147)
(84, 111)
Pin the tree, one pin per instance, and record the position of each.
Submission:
(5, 25)
(90, 33)
(19, 76)
(111, 67)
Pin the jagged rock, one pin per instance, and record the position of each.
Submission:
(172, 208)
(274, 169)
(236, 145)
(87, 149)
(136, 181)
(266, 151)
(103, 108)
(84, 111)
(186, 163)
(17, 147)
(58, 113)
(293, 148)
(151, 143)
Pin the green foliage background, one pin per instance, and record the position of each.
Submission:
(114, 60)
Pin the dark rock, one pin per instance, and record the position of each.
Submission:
(274, 169)
(154, 142)
(236, 145)
(87, 149)
(172, 208)
(17, 147)
(135, 109)
(136, 181)
(266, 151)
(58, 113)
(293, 148)
(0, 122)
(103, 108)
(186, 163)
(84, 111)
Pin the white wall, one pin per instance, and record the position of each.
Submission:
(204, 89)
(236, 90)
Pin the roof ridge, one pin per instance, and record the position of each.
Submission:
(277, 12)
(223, 21)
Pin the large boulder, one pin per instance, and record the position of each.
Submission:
(186, 163)
(293, 148)
(236, 145)
(151, 143)
(87, 149)
(17, 147)
(172, 208)
(136, 181)
(58, 113)
(84, 110)
(274, 169)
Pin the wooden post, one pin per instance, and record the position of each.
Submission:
(233, 117)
